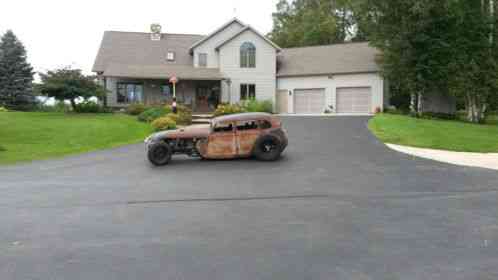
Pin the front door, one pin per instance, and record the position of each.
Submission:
(202, 99)
(222, 142)
(247, 134)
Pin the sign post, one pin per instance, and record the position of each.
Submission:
(174, 80)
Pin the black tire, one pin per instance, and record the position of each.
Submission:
(267, 148)
(159, 154)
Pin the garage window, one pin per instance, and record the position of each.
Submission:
(247, 91)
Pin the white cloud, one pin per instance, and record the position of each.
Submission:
(59, 33)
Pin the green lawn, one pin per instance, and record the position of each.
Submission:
(30, 136)
(435, 134)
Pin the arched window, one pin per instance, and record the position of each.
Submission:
(247, 55)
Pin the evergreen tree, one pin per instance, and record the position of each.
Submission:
(16, 74)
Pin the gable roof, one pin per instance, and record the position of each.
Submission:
(248, 28)
(344, 58)
(234, 20)
(136, 48)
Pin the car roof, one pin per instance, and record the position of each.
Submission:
(243, 117)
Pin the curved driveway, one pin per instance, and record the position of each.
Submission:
(339, 205)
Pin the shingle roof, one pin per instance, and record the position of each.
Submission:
(324, 60)
(137, 53)
(185, 72)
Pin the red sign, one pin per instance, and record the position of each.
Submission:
(173, 80)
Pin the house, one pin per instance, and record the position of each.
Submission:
(236, 62)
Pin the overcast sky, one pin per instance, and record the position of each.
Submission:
(59, 33)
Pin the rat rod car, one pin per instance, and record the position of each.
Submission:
(227, 137)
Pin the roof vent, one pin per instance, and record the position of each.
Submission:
(155, 30)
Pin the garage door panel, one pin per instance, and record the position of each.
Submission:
(354, 100)
(309, 101)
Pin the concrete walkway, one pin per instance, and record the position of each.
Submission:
(489, 161)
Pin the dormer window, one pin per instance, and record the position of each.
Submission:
(202, 60)
(247, 55)
(170, 56)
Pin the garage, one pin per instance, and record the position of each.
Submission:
(309, 101)
(356, 100)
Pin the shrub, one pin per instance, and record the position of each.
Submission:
(163, 123)
(436, 115)
(3, 109)
(254, 105)
(393, 110)
(2, 149)
(135, 109)
(228, 109)
(90, 107)
(152, 114)
(181, 118)
(180, 109)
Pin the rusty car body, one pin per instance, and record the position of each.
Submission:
(258, 135)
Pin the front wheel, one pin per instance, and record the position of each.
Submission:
(268, 148)
(159, 154)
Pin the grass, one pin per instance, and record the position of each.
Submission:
(35, 135)
(435, 134)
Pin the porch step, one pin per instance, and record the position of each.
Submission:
(201, 118)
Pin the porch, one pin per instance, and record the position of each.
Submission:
(202, 96)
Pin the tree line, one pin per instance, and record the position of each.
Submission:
(428, 47)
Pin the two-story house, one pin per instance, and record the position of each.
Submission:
(236, 62)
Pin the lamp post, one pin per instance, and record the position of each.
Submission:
(174, 80)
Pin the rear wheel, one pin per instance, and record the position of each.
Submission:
(159, 154)
(268, 148)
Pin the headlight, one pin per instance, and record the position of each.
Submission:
(147, 140)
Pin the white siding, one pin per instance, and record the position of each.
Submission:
(263, 75)
(332, 83)
(209, 46)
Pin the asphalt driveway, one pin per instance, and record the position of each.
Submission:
(339, 205)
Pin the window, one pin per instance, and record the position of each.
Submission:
(166, 92)
(264, 124)
(223, 127)
(203, 60)
(130, 93)
(247, 55)
(170, 56)
(247, 91)
(247, 125)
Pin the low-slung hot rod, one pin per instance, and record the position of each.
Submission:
(258, 135)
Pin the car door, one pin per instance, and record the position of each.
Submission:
(222, 141)
(247, 132)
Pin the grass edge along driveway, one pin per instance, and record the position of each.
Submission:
(435, 134)
(27, 136)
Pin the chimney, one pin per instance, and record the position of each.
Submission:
(155, 32)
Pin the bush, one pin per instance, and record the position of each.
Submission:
(3, 109)
(228, 109)
(181, 118)
(254, 105)
(135, 109)
(181, 109)
(90, 107)
(2, 149)
(152, 114)
(163, 123)
(442, 116)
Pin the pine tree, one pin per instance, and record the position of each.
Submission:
(16, 74)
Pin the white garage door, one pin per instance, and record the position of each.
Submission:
(309, 101)
(354, 100)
